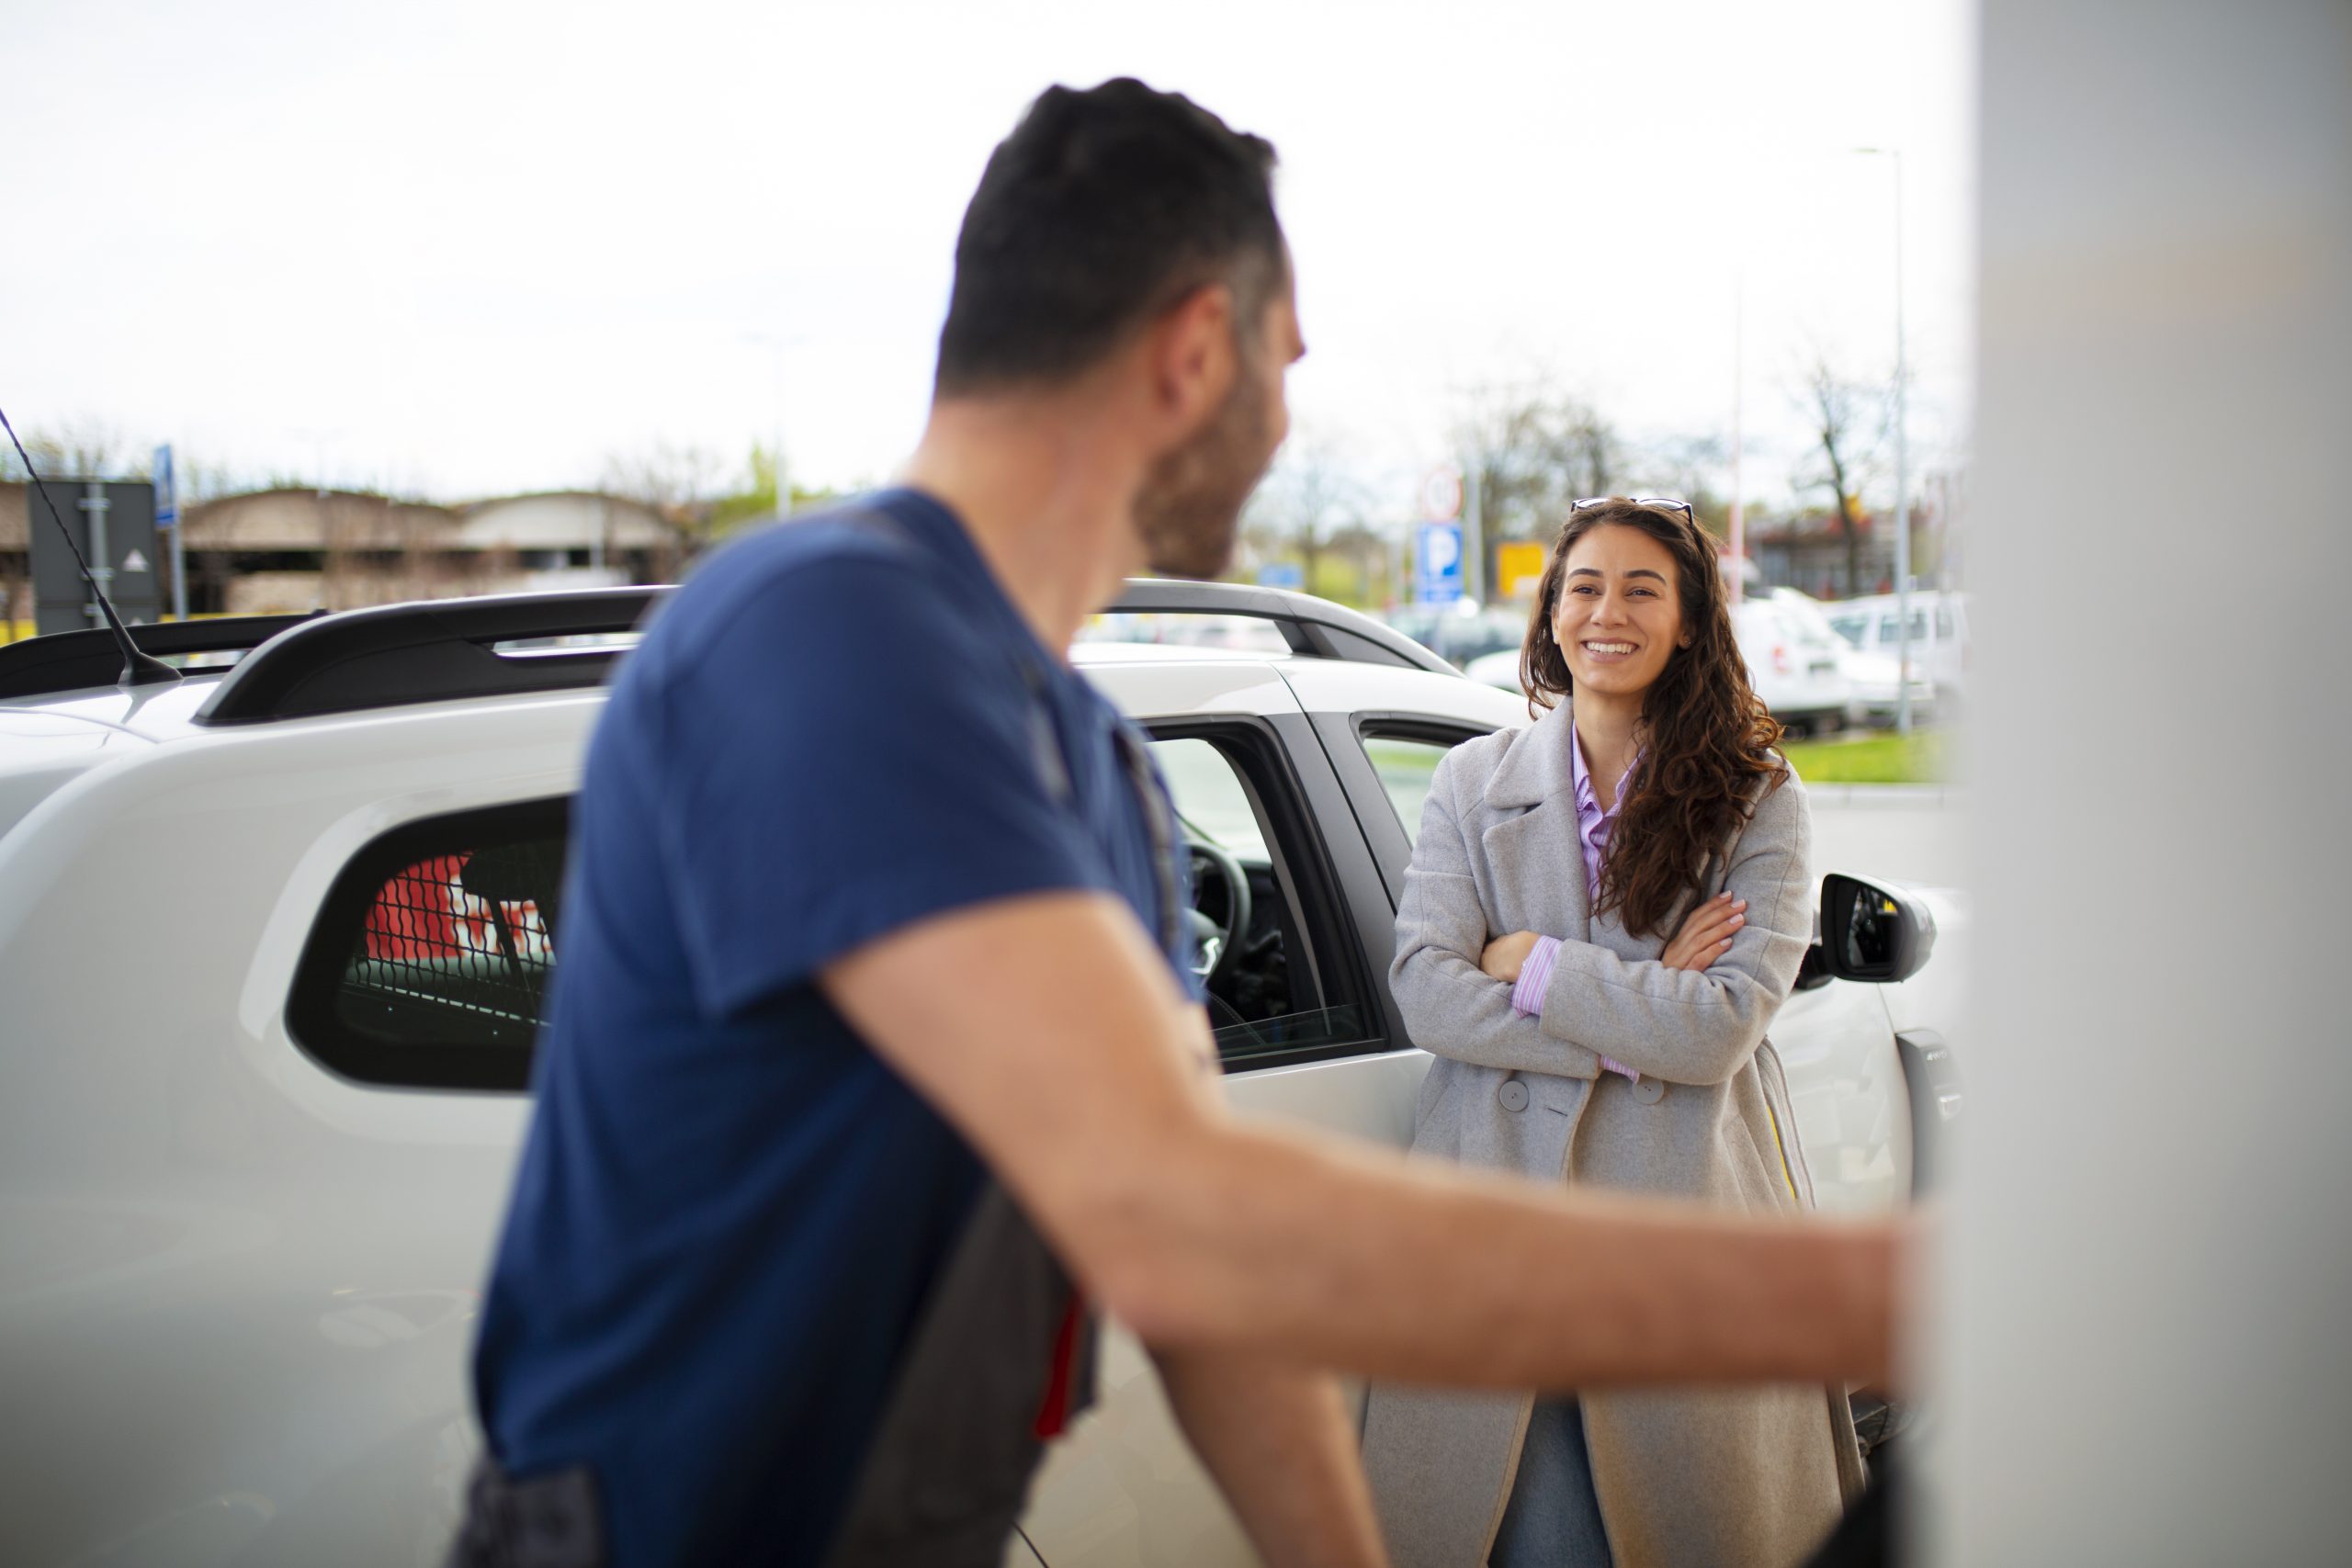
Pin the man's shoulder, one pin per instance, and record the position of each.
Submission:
(864, 549)
(850, 591)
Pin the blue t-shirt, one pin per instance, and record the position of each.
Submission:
(729, 1212)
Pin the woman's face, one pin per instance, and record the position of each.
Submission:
(1619, 617)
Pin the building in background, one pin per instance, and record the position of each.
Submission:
(291, 550)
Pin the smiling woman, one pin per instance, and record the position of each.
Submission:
(1602, 914)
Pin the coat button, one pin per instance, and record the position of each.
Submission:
(1513, 1095)
(1649, 1091)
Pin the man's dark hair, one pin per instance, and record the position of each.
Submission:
(1100, 210)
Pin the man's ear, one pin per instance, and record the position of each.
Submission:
(1191, 360)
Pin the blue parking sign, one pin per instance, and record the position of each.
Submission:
(167, 500)
(1437, 563)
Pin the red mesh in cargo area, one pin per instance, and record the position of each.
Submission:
(424, 912)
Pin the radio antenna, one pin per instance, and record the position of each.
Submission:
(137, 668)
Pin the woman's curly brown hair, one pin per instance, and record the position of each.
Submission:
(1708, 740)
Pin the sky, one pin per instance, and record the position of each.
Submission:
(463, 249)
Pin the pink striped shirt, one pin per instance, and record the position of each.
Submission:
(1593, 827)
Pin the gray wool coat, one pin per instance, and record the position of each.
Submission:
(1687, 1479)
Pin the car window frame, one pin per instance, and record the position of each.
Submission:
(1327, 872)
(310, 1018)
(1343, 735)
(1265, 755)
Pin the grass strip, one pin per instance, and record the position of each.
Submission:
(1920, 758)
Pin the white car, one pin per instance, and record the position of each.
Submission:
(1941, 641)
(1794, 661)
(1874, 680)
(272, 949)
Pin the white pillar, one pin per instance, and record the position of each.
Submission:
(2149, 1282)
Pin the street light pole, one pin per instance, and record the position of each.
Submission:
(1738, 439)
(1902, 468)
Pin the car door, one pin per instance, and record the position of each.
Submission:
(1306, 1029)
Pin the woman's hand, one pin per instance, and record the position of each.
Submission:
(1706, 933)
(1506, 955)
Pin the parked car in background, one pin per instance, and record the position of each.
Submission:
(1463, 633)
(1794, 661)
(1876, 682)
(1940, 635)
(273, 942)
(1873, 680)
(1499, 669)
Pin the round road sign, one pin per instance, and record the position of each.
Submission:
(1442, 495)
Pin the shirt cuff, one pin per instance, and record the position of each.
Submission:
(1536, 976)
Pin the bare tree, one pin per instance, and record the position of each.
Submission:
(1688, 466)
(81, 449)
(1533, 451)
(1313, 503)
(1849, 418)
(680, 484)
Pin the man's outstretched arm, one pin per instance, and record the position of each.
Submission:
(1049, 1031)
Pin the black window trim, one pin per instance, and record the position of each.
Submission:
(311, 1020)
(1343, 735)
(1337, 915)
(1266, 765)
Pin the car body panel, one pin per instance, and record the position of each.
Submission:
(238, 1291)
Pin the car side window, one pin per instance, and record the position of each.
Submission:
(1282, 976)
(430, 961)
(1405, 765)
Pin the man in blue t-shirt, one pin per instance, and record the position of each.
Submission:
(873, 1058)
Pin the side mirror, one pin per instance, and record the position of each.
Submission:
(1871, 934)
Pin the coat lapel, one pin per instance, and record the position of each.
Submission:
(1532, 854)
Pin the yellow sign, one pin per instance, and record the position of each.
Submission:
(1518, 569)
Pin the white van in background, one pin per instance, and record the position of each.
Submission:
(1939, 637)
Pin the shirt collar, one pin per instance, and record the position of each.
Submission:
(1587, 797)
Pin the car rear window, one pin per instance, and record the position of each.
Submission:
(429, 964)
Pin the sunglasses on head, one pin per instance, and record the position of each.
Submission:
(1663, 503)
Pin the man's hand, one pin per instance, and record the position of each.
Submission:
(1507, 955)
(1278, 1439)
(1706, 933)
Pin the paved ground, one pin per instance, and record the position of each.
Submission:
(1910, 833)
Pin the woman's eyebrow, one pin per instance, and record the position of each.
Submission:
(1637, 571)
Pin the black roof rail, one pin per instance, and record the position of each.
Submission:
(1315, 628)
(69, 661)
(435, 650)
(443, 649)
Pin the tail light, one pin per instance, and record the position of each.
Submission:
(1781, 664)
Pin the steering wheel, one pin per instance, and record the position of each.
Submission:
(1215, 943)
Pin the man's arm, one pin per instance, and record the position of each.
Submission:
(1279, 1442)
(1049, 1031)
